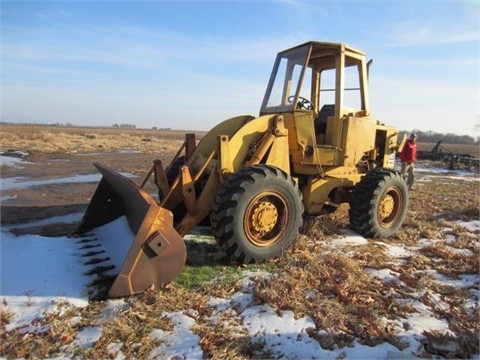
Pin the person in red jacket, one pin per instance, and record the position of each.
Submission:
(408, 158)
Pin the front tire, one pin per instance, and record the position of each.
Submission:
(379, 204)
(257, 213)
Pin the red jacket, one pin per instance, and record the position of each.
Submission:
(409, 152)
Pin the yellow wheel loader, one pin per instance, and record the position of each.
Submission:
(254, 179)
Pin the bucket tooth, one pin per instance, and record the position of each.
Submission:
(85, 241)
(85, 247)
(99, 270)
(98, 288)
(102, 280)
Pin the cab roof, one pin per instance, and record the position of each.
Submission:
(323, 54)
(321, 47)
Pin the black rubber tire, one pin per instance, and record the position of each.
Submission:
(257, 214)
(379, 204)
(174, 170)
(180, 210)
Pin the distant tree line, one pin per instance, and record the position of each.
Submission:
(432, 137)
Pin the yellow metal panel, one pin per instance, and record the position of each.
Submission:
(278, 155)
(315, 193)
(262, 148)
(326, 156)
(402, 143)
(209, 142)
(249, 134)
(290, 125)
(301, 136)
(333, 130)
(359, 138)
(225, 165)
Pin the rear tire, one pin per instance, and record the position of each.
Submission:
(257, 213)
(379, 204)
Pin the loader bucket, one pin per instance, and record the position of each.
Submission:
(157, 254)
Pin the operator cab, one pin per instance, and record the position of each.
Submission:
(327, 80)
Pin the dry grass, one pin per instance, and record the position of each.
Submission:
(52, 139)
(338, 293)
(44, 337)
(450, 262)
(220, 339)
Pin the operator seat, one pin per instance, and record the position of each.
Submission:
(320, 122)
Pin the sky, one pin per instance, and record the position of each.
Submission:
(189, 65)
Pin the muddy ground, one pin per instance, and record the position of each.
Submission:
(20, 205)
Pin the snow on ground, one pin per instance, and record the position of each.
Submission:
(13, 159)
(39, 273)
(22, 183)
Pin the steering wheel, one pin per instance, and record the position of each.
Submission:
(302, 103)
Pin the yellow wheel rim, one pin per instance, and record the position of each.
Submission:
(389, 207)
(266, 218)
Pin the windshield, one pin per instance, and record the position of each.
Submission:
(285, 81)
